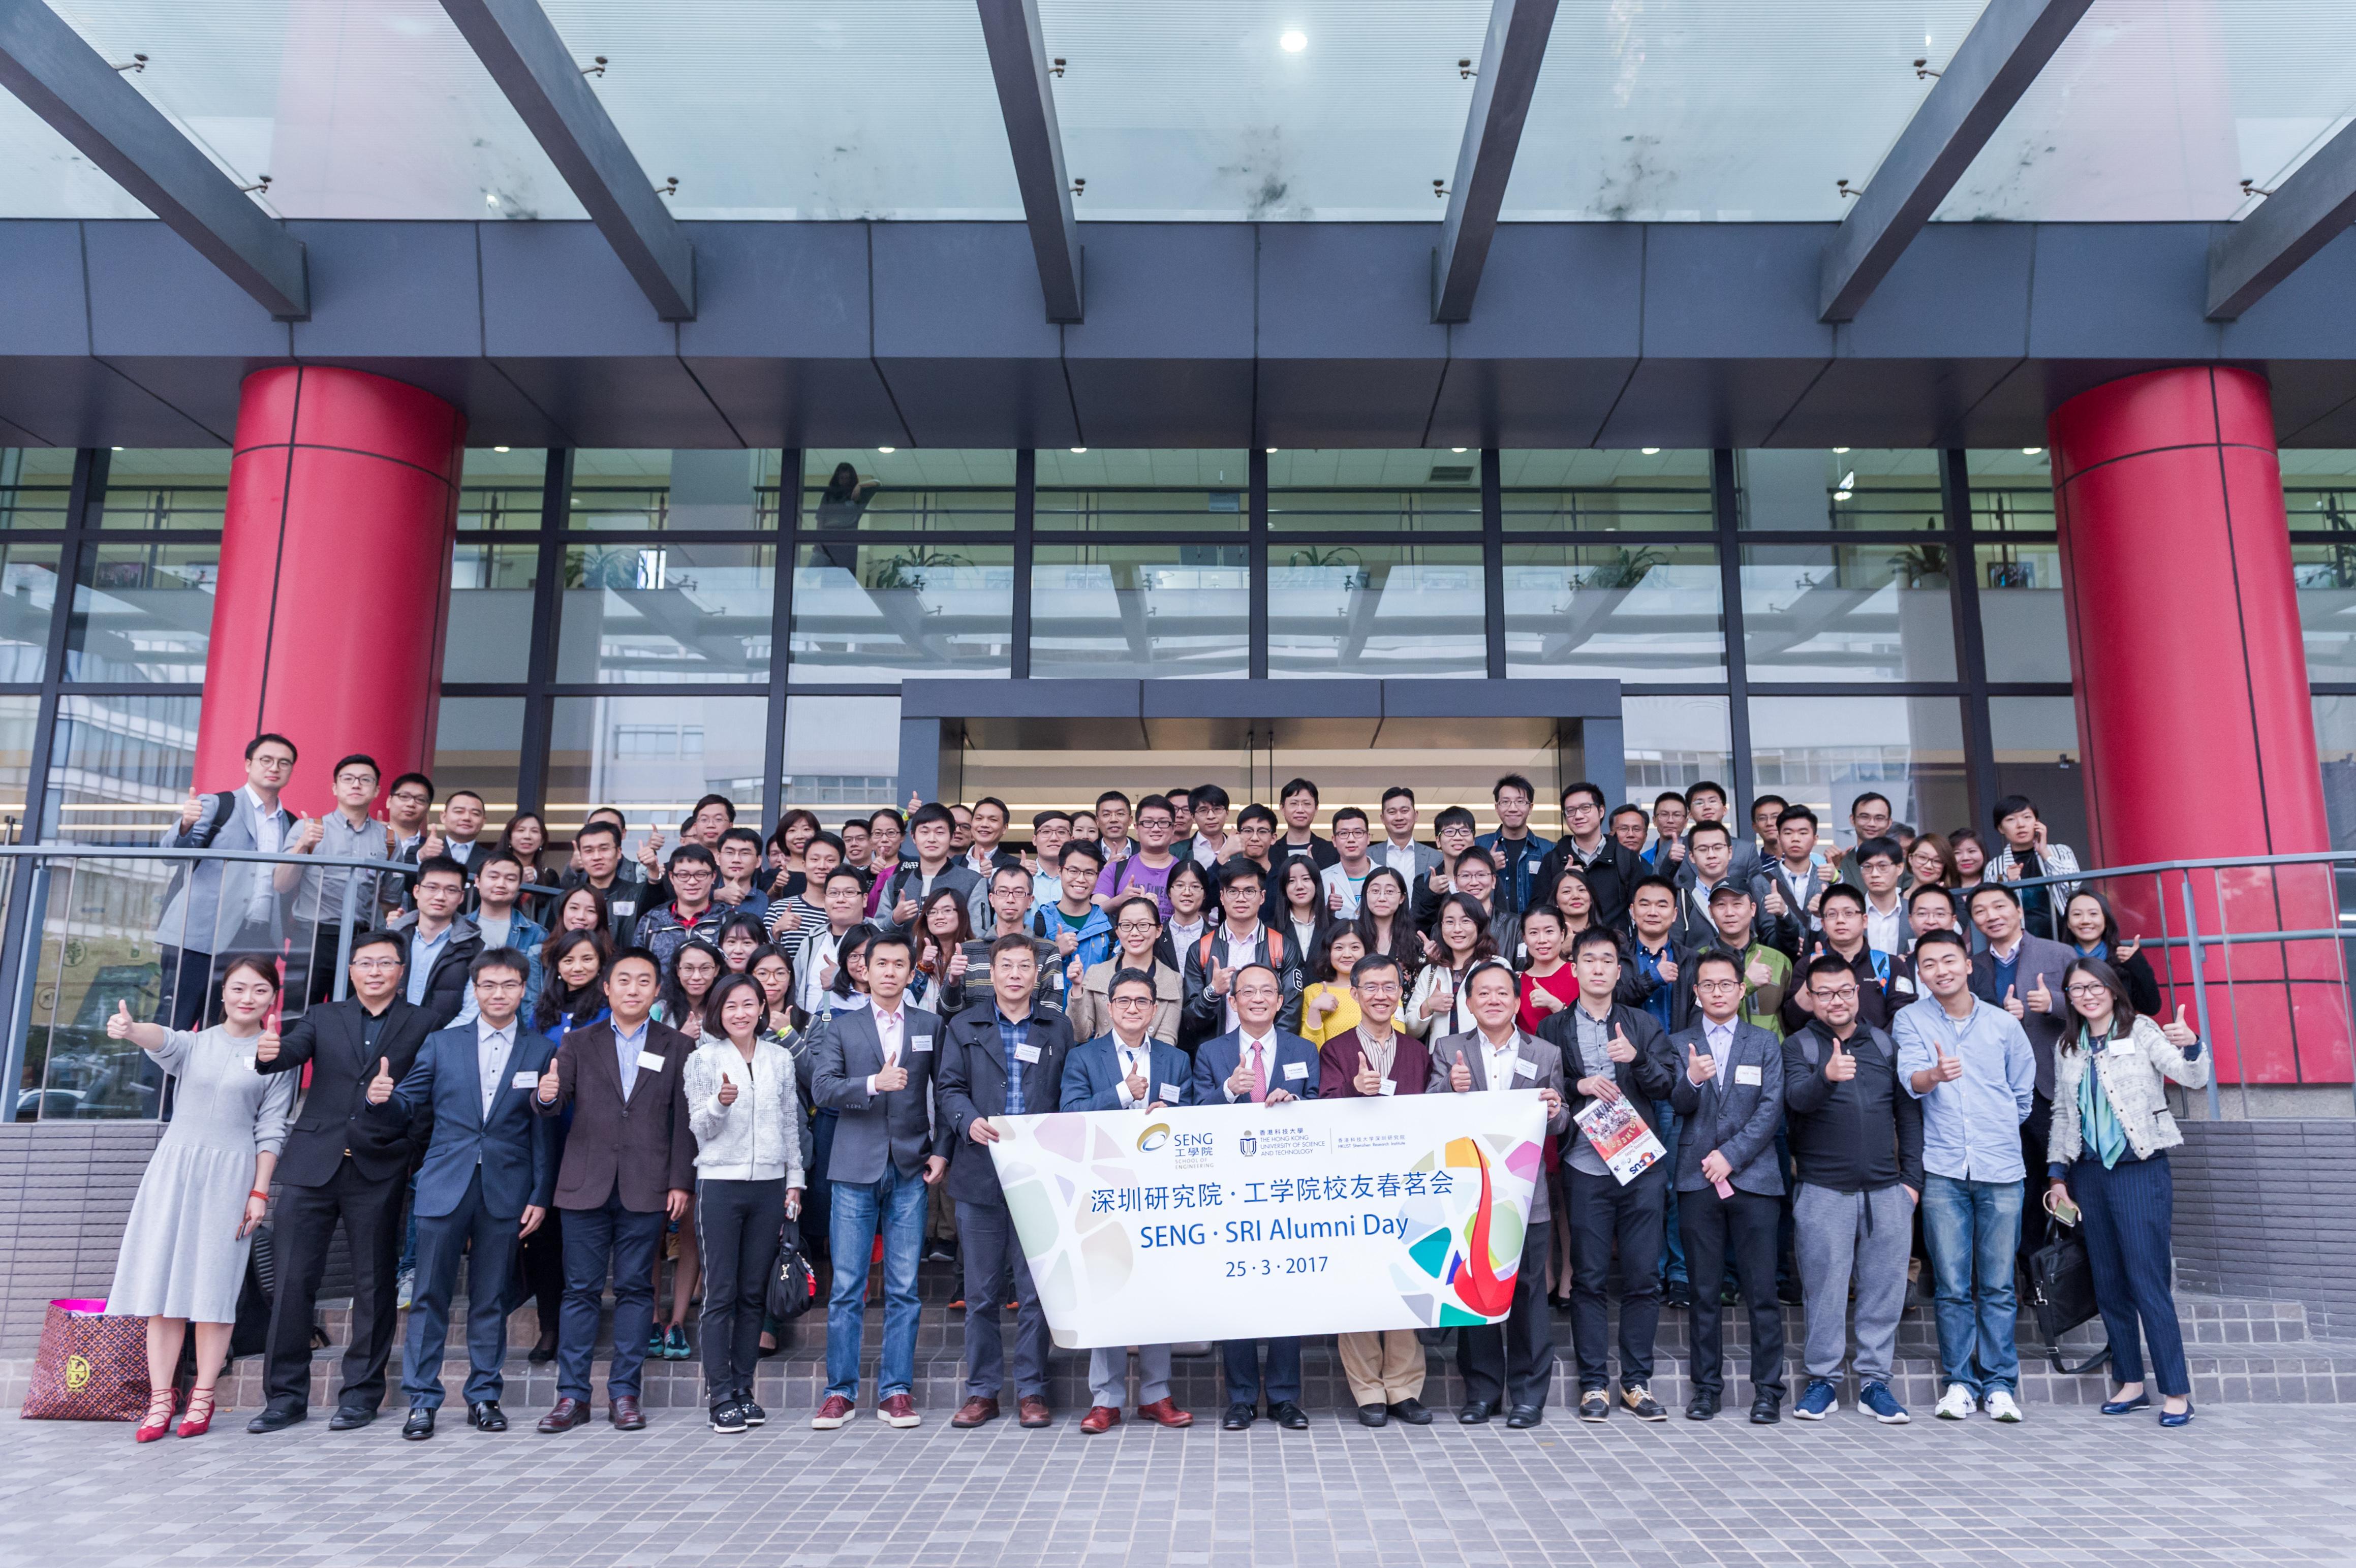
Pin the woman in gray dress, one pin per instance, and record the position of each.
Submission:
(184, 1253)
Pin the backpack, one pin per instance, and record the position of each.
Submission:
(1210, 930)
(201, 837)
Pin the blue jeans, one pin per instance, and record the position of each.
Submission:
(1973, 1229)
(1673, 1244)
(896, 1205)
(619, 1243)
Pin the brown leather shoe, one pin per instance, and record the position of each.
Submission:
(1034, 1412)
(898, 1411)
(623, 1413)
(974, 1411)
(1099, 1418)
(1165, 1411)
(834, 1413)
(566, 1414)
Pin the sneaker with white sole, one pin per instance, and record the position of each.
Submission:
(1818, 1400)
(1955, 1404)
(1884, 1406)
(2001, 1406)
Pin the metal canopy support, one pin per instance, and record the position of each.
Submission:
(1018, 60)
(65, 81)
(519, 46)
(2303, 215)
(1493, 133)
(2000, 58)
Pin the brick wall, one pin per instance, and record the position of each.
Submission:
(2268, 1208)
(65, 1193)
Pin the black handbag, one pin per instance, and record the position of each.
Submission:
(2061, 1292)
(793, 1287)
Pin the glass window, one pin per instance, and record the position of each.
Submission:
(1399, 610)
(1140, 610)
(490, 613)
(653, 757)
(2319, 489)
(652, 490)
(1825, 751)
(2021, 622)
(2325, 576)
(1671, 742)
(1848, 612)
(1618, 491)
(1651, 612)
(882, 489)
(1396, 492)
(28, 597)
(1844, 488)
(35, 482)
(2335, 742)
(143, 613)
(502, 488)
(2037, 755)
(875, 612)
(2012, 489)
(120, 767)
(843, 755)
(476, 744)
(1096, 490)
(654, 613)
(159, 487)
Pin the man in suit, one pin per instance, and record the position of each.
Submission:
(629, 1168)
(338, 1166)
(1706, 802)
(1612, 868)
(1213, 963)
(875, 1070)
(1513, 1363)
(1730, 1096)
(489, 1178)
(1004, 1059)
(2022, 974)
(1611, 1052)
(1122, 1069)
(1258, 1062)
(218, 909)
(1385, 1366)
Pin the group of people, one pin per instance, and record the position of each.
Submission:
(552, 1081)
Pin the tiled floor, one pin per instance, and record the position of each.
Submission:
(2242, 1485)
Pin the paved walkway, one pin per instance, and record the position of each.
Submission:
(2270, 1485)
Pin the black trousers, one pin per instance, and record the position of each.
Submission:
(2035, 1135)
(306, 1225)
(1743, 1228)
(737, 1227)
(539, 1270)
(1604, 1211)
(1513, 1362)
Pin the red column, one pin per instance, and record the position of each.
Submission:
(2191, 689)
(335, 576)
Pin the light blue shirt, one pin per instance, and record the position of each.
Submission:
(422, 954)
(625, 1054)
(1971, 1127)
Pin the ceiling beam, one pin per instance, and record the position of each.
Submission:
(85, 100)
(1510, 57)
(519, 46)
(1018, 60)
(1997, 61)
(2306, 212)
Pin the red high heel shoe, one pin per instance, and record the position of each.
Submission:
(158, 1420)
(200, 1419)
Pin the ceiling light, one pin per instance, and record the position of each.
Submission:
(1838, 451)
(1455, 449)
(118, 449)
(2031, 451)
(1271, 452)
(1651, 451)
(498, 449)
(1293, 41)
(1847, 483)
(1079, 449)
(1841, 495)
(887, 451)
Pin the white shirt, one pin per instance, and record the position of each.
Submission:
(892, 1029)
(1501, 1058)
(817, 954)
(1400, 857)
(492, 1048)
(270, 839)
(1886, 932)
(1721, 1038)
(1267, 1044)
(1134, 1058)
(1238, 953)
(1207, 855)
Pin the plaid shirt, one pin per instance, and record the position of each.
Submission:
(1013, 1034)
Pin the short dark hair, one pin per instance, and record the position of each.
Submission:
(643, 955)
(1176, 791)
(1086, 849)
(1847, 890)
(1921, 891)
(1041, 818)
(1152, 907)
(1153, 801)
(1630, 809)
(1586, 787)
(1998, 888)
(727, 806)
(2008, 805)
(380, 937)
(1706, 787)
(442, 863)
(1513, 781)
(1130, 977)
(1111, 795)
(598, 825)
(1015, 869)
(1878, 848)
(1013, 942)
(692, 854)
(1717, 955)
(888, 938)
(1795, 814)
(1825, 964)
(1595, 935)
(992, 800)
(1235, 870)
(264, 738)
(1372, 962)
(356, 757)
(1667, 794)
(1454, 817)
(1256, 812)
(1348, 813)
(1210, 795)
(1777, 801)
(1397, 792)
(1942, 934)
(506, 958)
(473, 794)
(838, 874)
(1868, 794)
(395, 787)
(744, 836)
(500, 858)
(1693, 834)
(1298, 786)
(1654, 881)
(932, 811)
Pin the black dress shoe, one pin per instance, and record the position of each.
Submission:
(420, 1424)
(543, 1350)
(1289, 1415)
(1412, 1411)
(1526, 1415)
(276, 1418)
(1676, 1293)
(486, 1416)
(1702, 1405)
(1473, 1411)
(1766, 1410)
(1239, 1416)
(1373, 1416)
(349, 1417)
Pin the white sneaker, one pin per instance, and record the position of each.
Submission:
(2001, 1406)
(1955, 1404)
(404, 1296)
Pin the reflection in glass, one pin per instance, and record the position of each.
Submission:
(2326, 578)
(36, 485)
(1401, 491)
(2335, 742)
(932, 490)
(1103, 490)
(648, 614)
(1848, 612)
(119, 768)
(502, 490)
(477, 746)
(843, 755)
(143, 613)
(876, 612)
(1846, 489)
(1140, 610)
(2021, 618)
(1397, 610)
(2012, 490)
(2037, 755)
(491, 612)
(1616, 491)
(639, 490)
(652, 757)
(1825, 751)
(1674, 743)
(28, 597)
(157, 488)
(1650, 614)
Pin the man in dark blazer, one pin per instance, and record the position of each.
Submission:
(1612, 868)
(1728, 1096)
(1611, 1051)
(629, 1168)
(339, 1166)
(1258, 1062)
(875, 1070)
(486, 1182)
(1005, 1058)
(2022, 974)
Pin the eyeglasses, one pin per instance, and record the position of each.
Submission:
(411, 798)
(1135, 927)
(1715, 986)
(1132, 1001)
(375, 965)
(2089, 988)
(1834, 993)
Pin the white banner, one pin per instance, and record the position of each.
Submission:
(1246, 1222)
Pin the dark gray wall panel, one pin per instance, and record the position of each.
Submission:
(960, 338)
(41, 280)
(1164, 357)
(1721, 291)
(803, 403)
(391, 289)
(557, 290)
(1549, 352)
(779, 291)
(652, 401)
(1888, 402)
(2122, 292)
(1961, 292)
(1708, 402)
(85, 402)
(1162, 403)
(151, 294)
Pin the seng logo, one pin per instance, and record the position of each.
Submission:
(1153, 1137)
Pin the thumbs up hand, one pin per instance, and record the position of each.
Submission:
(727, 1091)
(191, 809)
(2042, 998)
(1544, 1001)
(1136, 1082)
(119, 1025)
(2012, 1002)
(1619, 1049)
(2127, 949)
(550, 1083)
(266, 1047)
(1699, 1068)
(1757, 972)
(379, 1087)
(1221, 980)
(307, 840)
(2178, 1033)
(1239, 1082)
(1775, 905)
(1459, 1075)
(1840, 1066)
(1946, 1068)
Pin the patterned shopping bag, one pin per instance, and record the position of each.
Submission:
(91, 1366)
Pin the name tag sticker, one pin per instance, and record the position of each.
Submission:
(1903, 985)
(1026, 1053)
(1170, 1093)
(922, 1044)
(524, 1080)
(1747, 1076)
(1388, 1087)
(1296, 1069)
(651, 1062)
(624, 906)
(2122, 1045)
(1525, 1068)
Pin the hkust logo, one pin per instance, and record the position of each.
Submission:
(1153, 1137)
(1248, 1146)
